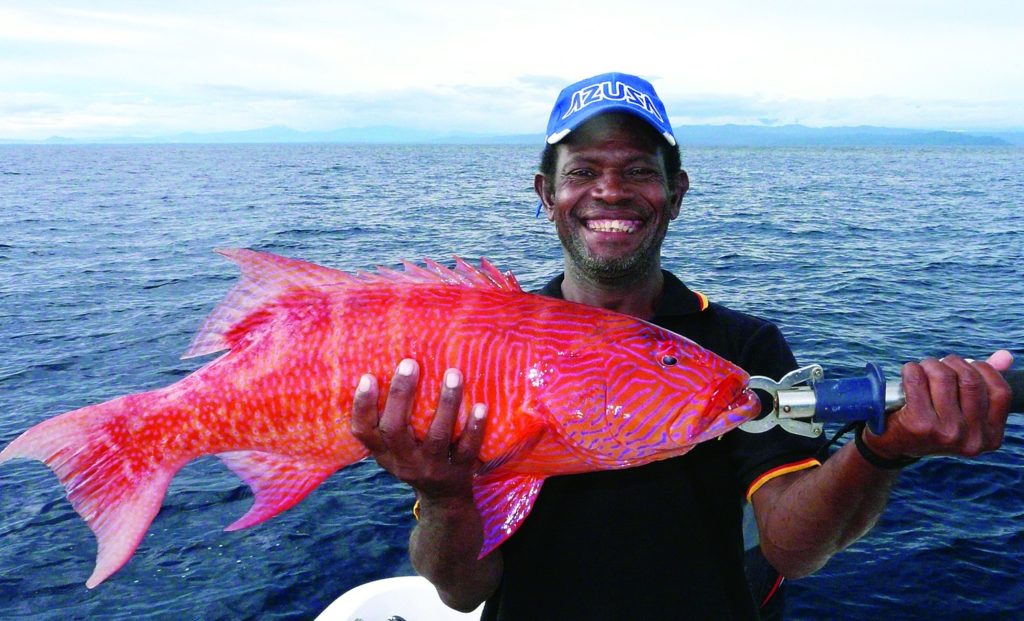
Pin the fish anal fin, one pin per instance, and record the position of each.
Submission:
(279, 482)
(503, 500)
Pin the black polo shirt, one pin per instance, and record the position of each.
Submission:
(664, 540)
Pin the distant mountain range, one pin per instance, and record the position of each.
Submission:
(689, 135)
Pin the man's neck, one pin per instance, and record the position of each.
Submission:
(638, 297)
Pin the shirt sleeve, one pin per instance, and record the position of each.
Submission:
(760, 457)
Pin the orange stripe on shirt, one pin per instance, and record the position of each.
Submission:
(703, 300)
(778, 471)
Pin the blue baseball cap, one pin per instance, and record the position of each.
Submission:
(608, 92)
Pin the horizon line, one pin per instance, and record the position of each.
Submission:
(693, 134)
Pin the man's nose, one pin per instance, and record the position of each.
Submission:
(611, 188)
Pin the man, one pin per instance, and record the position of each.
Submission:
(662, 541)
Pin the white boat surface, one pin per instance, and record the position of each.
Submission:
(404, 598)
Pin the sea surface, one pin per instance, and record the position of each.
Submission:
(860, 254)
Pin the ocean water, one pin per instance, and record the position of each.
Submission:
(859, 255)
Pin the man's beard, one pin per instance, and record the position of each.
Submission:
(618, 270)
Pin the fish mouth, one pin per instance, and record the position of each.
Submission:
(728, 404)
(734, 400)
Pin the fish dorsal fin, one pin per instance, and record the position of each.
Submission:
(266, 276)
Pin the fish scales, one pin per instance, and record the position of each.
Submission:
(569, 388)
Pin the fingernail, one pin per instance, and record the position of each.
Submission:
(452, 378)
(406, 367)
(364, 383)
(479, 411)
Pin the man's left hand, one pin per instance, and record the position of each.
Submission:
(954, 407)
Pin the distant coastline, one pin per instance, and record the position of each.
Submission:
(689, 135)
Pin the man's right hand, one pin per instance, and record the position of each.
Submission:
(445, 544)
(438, 466)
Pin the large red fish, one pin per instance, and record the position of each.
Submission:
(570, 388)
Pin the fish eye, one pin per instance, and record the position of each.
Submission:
(669, 361)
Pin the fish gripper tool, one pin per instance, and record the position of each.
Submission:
(803, 400)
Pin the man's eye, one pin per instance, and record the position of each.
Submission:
(580, 173)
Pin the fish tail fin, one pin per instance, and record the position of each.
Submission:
(116, 490)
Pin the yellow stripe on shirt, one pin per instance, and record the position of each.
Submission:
(778, 471)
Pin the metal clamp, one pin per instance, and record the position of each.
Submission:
(792, 398)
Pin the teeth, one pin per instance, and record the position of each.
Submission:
(613, 226)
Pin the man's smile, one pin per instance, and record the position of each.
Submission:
(609, 225)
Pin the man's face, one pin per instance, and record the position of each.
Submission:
(611, 201)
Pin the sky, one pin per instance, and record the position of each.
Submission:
(116, 68)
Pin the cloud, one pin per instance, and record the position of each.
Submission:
(472, 67)
(548, 83)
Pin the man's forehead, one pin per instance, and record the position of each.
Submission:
(622, 128)
(613, 133)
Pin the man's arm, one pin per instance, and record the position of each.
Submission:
(953, 408)
(446, 541)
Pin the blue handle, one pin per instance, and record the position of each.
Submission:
(853, 399)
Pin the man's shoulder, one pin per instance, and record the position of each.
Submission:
(685, 305)
(738, 320)
(751, 341)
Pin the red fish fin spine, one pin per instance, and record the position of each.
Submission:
(445, 274)
(472, 274)
(264, 277)
(507, 281)
(415, 273)
(486, 276)
(115, 492)
(464, 275)
(503, 501)
(278, 481)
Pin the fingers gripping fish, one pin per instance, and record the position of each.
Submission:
(569, 388)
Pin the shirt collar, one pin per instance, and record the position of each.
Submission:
(676, 298)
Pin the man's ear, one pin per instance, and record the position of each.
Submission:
(682, 185)
(546, 199)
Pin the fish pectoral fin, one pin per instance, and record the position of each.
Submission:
(523, 446)
(278, 481)
(504, 501)
(583, 421)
